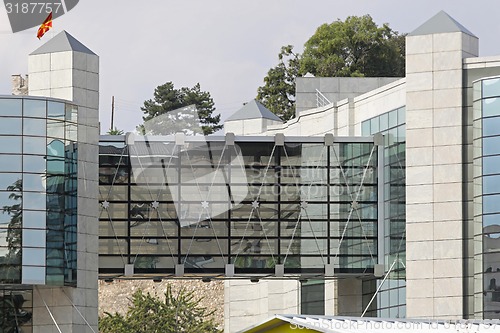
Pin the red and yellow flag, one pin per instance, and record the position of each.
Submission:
(46, 25)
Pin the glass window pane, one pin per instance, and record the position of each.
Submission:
(374, 124)
(10, 163)
(8, 180)
(34, 257)
(491, 107)
(491, 145)
(71, 113)
(401, 115)
(55, 148)
(71, 132)
(384, 122)
(491, 204)
(33, 126)
(491, 184)
(34, 237)
(34, 219)
(10, 218)
(491, 165)
(34, 145)
(491, 220)
(56, 110)
(55, 129)
(33, 275)
(393, 118)
(33, 200)
(491, 87)
(10, 126)
(35, 108)
(365, 128)
(10, 107)
(34, 164)
(10, 144)
(34, 182)
(491, 126)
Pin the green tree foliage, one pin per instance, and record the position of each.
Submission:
(115, 131)
(167, 112)
(354, 47)
(180, 313)
(278, 92)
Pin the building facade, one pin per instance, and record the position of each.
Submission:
(378, 199)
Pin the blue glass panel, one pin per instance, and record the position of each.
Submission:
(491, 145)
(35, 108)
(34, 145)
(56, 110)
(35, 201)
(36, 127)
(491, 107)
(393, 118)
(34, 182)
(10, 126)
(10, 144)
(491, 87)
(491, 126)
(493, 219)
(34, 257)
(384, 122)
(491, 204)
(365, 128)
(34, 219)
(10, 163)
(491, 165)
(10, 107)
(491, 184)
(374, 124)
(34, 237)
(8, 180)
(33, 163)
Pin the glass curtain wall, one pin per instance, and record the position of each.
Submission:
(254, 204)
(391, 299)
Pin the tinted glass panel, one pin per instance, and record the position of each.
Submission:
(10, 144)
(35, 108)
(491, 165)
(491, 107)
(55, 129)
(491, 126)
(491, 184)
(34, 219)
(8, 179)
(36, 127)
(56, 110)
(34, 182)
(491, 88)
(10, 126)
(34, 237)
(10, 163)
(33, 200)
(491, 145)
(10, 107)
(34, 164)
(491, 204)
(34, 145)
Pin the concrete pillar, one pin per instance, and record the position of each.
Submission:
(434, 180)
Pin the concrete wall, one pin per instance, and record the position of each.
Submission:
(434, 192)
(333, 88)
(74, 76)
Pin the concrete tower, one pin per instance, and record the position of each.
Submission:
(434, 174)
(64, 68)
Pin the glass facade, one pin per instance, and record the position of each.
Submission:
(255, 204)
(486, 166)
(38, 191)
(16, 310)
(391, 298)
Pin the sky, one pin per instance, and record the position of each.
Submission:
(225, 45)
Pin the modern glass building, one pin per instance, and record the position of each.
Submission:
(251, 205)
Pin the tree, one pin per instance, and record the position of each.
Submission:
(355, 47)
(278, 92)
(180, 313)
(170, 111)
(115, 131)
